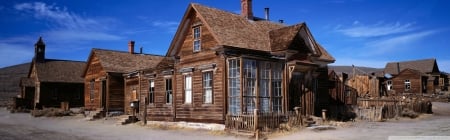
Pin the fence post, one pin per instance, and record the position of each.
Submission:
(255, 128)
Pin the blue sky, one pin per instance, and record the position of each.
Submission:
(360, 32)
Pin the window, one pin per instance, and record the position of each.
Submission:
(197, 41)
(249, 68)
(277, 87)
(407, 85)
(261, 83)
(234, 86)
(169, 91)
(92, 90)
(151, 92)
(188, 89)
(207, 87)
(264, 86)
(389, 85)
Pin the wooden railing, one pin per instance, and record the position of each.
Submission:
(264, 122)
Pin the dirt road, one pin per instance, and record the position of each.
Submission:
(25, 127)
(437, 124)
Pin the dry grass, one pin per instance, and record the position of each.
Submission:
(51, 112)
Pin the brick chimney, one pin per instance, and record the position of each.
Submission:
(246, 9)
(131, 47)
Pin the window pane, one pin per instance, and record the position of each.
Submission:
(234, 90)
(276, 87)
(207, 87)
(249, 85)
(188, 89)
(151, 92)
(168, 90)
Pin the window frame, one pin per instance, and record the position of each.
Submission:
(196, 42)
(389, 85)
(92, 90)
(168, 90)
(407, 84)
(151, 91)
(207, 88)
(188, 89)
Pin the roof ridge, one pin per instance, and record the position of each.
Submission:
(64, 60)
(119, 51)
(416, 60)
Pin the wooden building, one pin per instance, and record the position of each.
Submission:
(103, 77)
(51, 81)
(417, 77)
(220, 63)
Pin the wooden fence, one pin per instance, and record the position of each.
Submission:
(381, 109)
(264, 122)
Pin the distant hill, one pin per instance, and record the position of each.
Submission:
(360, 70)
(10, 78)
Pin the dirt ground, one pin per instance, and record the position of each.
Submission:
(24, 126)
(437, 124)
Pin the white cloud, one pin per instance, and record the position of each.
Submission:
(375, 30)
(70, 26)
(168, 26)
(65, 35)
(58, 15)
(396, 43)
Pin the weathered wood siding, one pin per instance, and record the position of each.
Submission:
(398, 82)
(94, 72)
(159, 110)
(197, 110)
(115, 93)
(365, 85)
(131, 86)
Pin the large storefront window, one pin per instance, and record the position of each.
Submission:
(234, 86)
(261, 86)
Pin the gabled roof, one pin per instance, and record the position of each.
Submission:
(123, 62)
(427, 66)
(230, 29)
(53, 70)
(411, 70)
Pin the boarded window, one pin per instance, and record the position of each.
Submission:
(188, 89)
(151, 92)
(207, 87)
(169, 90)
(92, 90)
(197, 41)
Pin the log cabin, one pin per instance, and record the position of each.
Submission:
(221, 63)
(416, 76)
(103, 76)
(52, 81)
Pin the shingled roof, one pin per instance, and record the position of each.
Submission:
(230, 29)
(124, 62)
(64, 71)
(427, 66)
